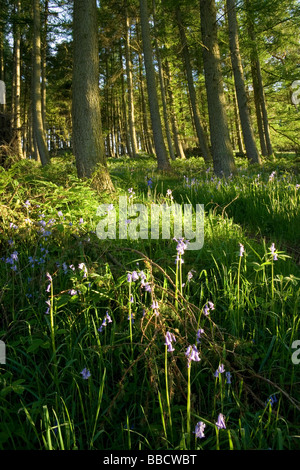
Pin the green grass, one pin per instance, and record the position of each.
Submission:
(139, 395)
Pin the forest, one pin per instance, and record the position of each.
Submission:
(149, 226)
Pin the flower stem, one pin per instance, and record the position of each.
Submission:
(188, 409)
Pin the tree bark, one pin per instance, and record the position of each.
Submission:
(195, 112)
(160, 149)
(125, 133)
(259, 94)
(162, 89)
(39, 132)
(17, 81)
(131, 111)
(178, 145)
(247, 130)
(86, 113)
(222, 153)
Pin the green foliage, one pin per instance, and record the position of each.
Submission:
(139, 395)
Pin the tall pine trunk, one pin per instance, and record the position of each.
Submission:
(178, 145)
(244, 113)
(38, 127)
(222, 153)
(17, 81)
(131, 113)
(160, 149)
(258, 89)
(189, 74)
(162, 89)
(86, 113)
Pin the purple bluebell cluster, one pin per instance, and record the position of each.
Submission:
(208, 307)
(192, 354)
(12, 260)
(273, 252)
(199, 430)
(221, 422)
(220, 370)
(198, 335)
(85, 373)
(107, 319)
(169, 338)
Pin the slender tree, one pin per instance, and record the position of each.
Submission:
(17, 81)
(258, 88)
(189, 74)
(162, 88)
(244, 113)
(131, 113)
(86, 113)
(222, 153)
(38, 127)
(161, 153)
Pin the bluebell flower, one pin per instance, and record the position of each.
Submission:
(228, 377)
(192, 354)
(131, 317)
(181, 246)
(134, 276)
(219, 370)
(199, 333)
(48, 308)
(169, 338)
(242, 249)
(147, 287)
(85, 373)
(208, 307)
(73, 292)
(107, 319)
(221, 422)
(83, 267)
(155, 307)
(273, 252)
(142, 277)
(199, 429)
(271, 400)
(14, 256)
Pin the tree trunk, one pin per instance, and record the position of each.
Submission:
(43, 61)
(131, 113)
(178, 145)
(17, 81)
(222, 153)
(86, 113)
(125, 133)
(160, 149)
(259, 95)
(237, 121)
(162, 90)
(2, 78)
(189, 75)
(147, 137)
(248, 134)
(39, 132)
